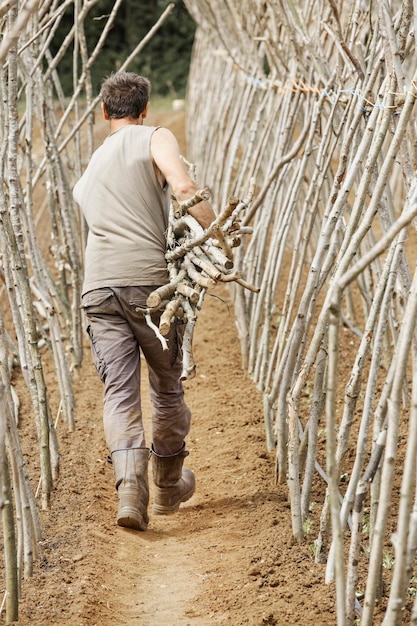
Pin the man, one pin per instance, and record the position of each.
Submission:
(124, 196)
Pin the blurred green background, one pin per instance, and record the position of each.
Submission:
(165, 60)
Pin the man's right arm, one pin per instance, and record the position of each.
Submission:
(166, 155)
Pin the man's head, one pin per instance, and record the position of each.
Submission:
(125, 94)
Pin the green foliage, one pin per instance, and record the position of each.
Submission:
(164, 60)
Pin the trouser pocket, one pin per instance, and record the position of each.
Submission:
(98, 360)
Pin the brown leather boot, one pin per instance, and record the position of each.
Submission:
(173, 483)
(131, 472)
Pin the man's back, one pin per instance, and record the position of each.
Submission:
(126, 211)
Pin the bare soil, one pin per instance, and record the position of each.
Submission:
(227, 557)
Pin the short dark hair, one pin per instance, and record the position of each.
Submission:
(125, 94)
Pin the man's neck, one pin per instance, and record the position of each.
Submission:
(115, 124)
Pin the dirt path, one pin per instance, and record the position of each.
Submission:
(225, 558)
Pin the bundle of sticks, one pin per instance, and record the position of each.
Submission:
(197, 260)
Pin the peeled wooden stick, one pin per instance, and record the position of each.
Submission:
(246, 285)
(234, 242)
(221, 239)
(237, 277)
(202, 235)
(228, 278)
(217, 254)
(180, 208)
(189, 292)
(188, 364)
(165, 291)
(197, 277)
(240, 206)
(162, 293)
(166, 317)
(228, 211)
(199, 259)
(156, 331)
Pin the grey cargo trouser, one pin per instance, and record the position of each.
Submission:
(117, 334)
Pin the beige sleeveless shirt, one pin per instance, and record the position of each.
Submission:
(126, 212)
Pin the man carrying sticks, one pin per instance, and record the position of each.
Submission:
(124, 196)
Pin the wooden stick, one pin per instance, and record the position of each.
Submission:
(166, 317)
(197, 277)
(164, 292)
(188, 364)
(189, 292)
(201, 260)
(181, 208)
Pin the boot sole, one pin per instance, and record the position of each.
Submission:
(130, 519)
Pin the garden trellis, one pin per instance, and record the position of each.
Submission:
(316, 101)
(46, 139)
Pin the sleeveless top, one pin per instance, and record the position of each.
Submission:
(126, 211)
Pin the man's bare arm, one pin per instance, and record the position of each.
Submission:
(166, 155)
